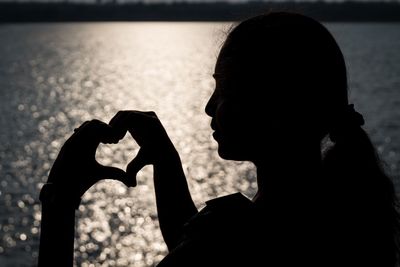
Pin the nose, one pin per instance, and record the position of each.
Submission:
(211, 105)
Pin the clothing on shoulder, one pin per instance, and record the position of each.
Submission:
(232, 231)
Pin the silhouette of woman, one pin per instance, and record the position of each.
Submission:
(280, 97)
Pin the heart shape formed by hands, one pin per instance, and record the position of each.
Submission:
(119, 154)
(116, 146)
(76, 169)
(148, 132)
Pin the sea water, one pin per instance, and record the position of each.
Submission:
(55, 76)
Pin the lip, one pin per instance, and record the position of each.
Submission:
(215, 135)
(213, 125)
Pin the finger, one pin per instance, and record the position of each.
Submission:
(126, 118)
(150, 113)
(141, 124)
(98, 131)
(76, 130)
(89, 127)
(107, 172)
(117, 117)
(136, 165)
(120, 123)
(120, 118)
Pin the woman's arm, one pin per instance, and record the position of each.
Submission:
(174, 202)
(74, 171)
(57, 235)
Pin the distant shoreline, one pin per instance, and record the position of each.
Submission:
(323, 11)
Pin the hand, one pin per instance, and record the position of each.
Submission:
(75, 170)
(149, 133)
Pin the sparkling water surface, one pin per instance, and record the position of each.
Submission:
(55, 76)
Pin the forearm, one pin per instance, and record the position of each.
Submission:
(174, 202)
(57, 235)
(74, 171)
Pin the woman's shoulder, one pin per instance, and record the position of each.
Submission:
(221, 214)
(236, 201)
(225, 221)
(221, 234)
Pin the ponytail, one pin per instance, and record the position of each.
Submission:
(362, 190)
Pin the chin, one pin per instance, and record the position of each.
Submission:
(230, 154)
(224, 155)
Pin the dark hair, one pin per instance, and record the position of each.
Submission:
(306, 69)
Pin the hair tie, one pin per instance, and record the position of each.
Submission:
(346, 121)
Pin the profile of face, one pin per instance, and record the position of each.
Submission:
(238, 119)
(279, 80)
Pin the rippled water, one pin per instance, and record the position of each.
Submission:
(55, 76)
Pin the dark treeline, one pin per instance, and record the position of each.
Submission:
(348, 11)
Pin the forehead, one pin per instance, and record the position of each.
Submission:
(237, 75)
(228, 69)
(239, 66)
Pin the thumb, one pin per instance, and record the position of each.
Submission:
(114, 173)
(136, 165)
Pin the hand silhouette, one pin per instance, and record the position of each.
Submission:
(149, 133)
(75, 170)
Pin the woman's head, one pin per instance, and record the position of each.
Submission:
(281, 84)
(278, 76)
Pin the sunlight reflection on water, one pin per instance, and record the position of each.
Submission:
(55, 76)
